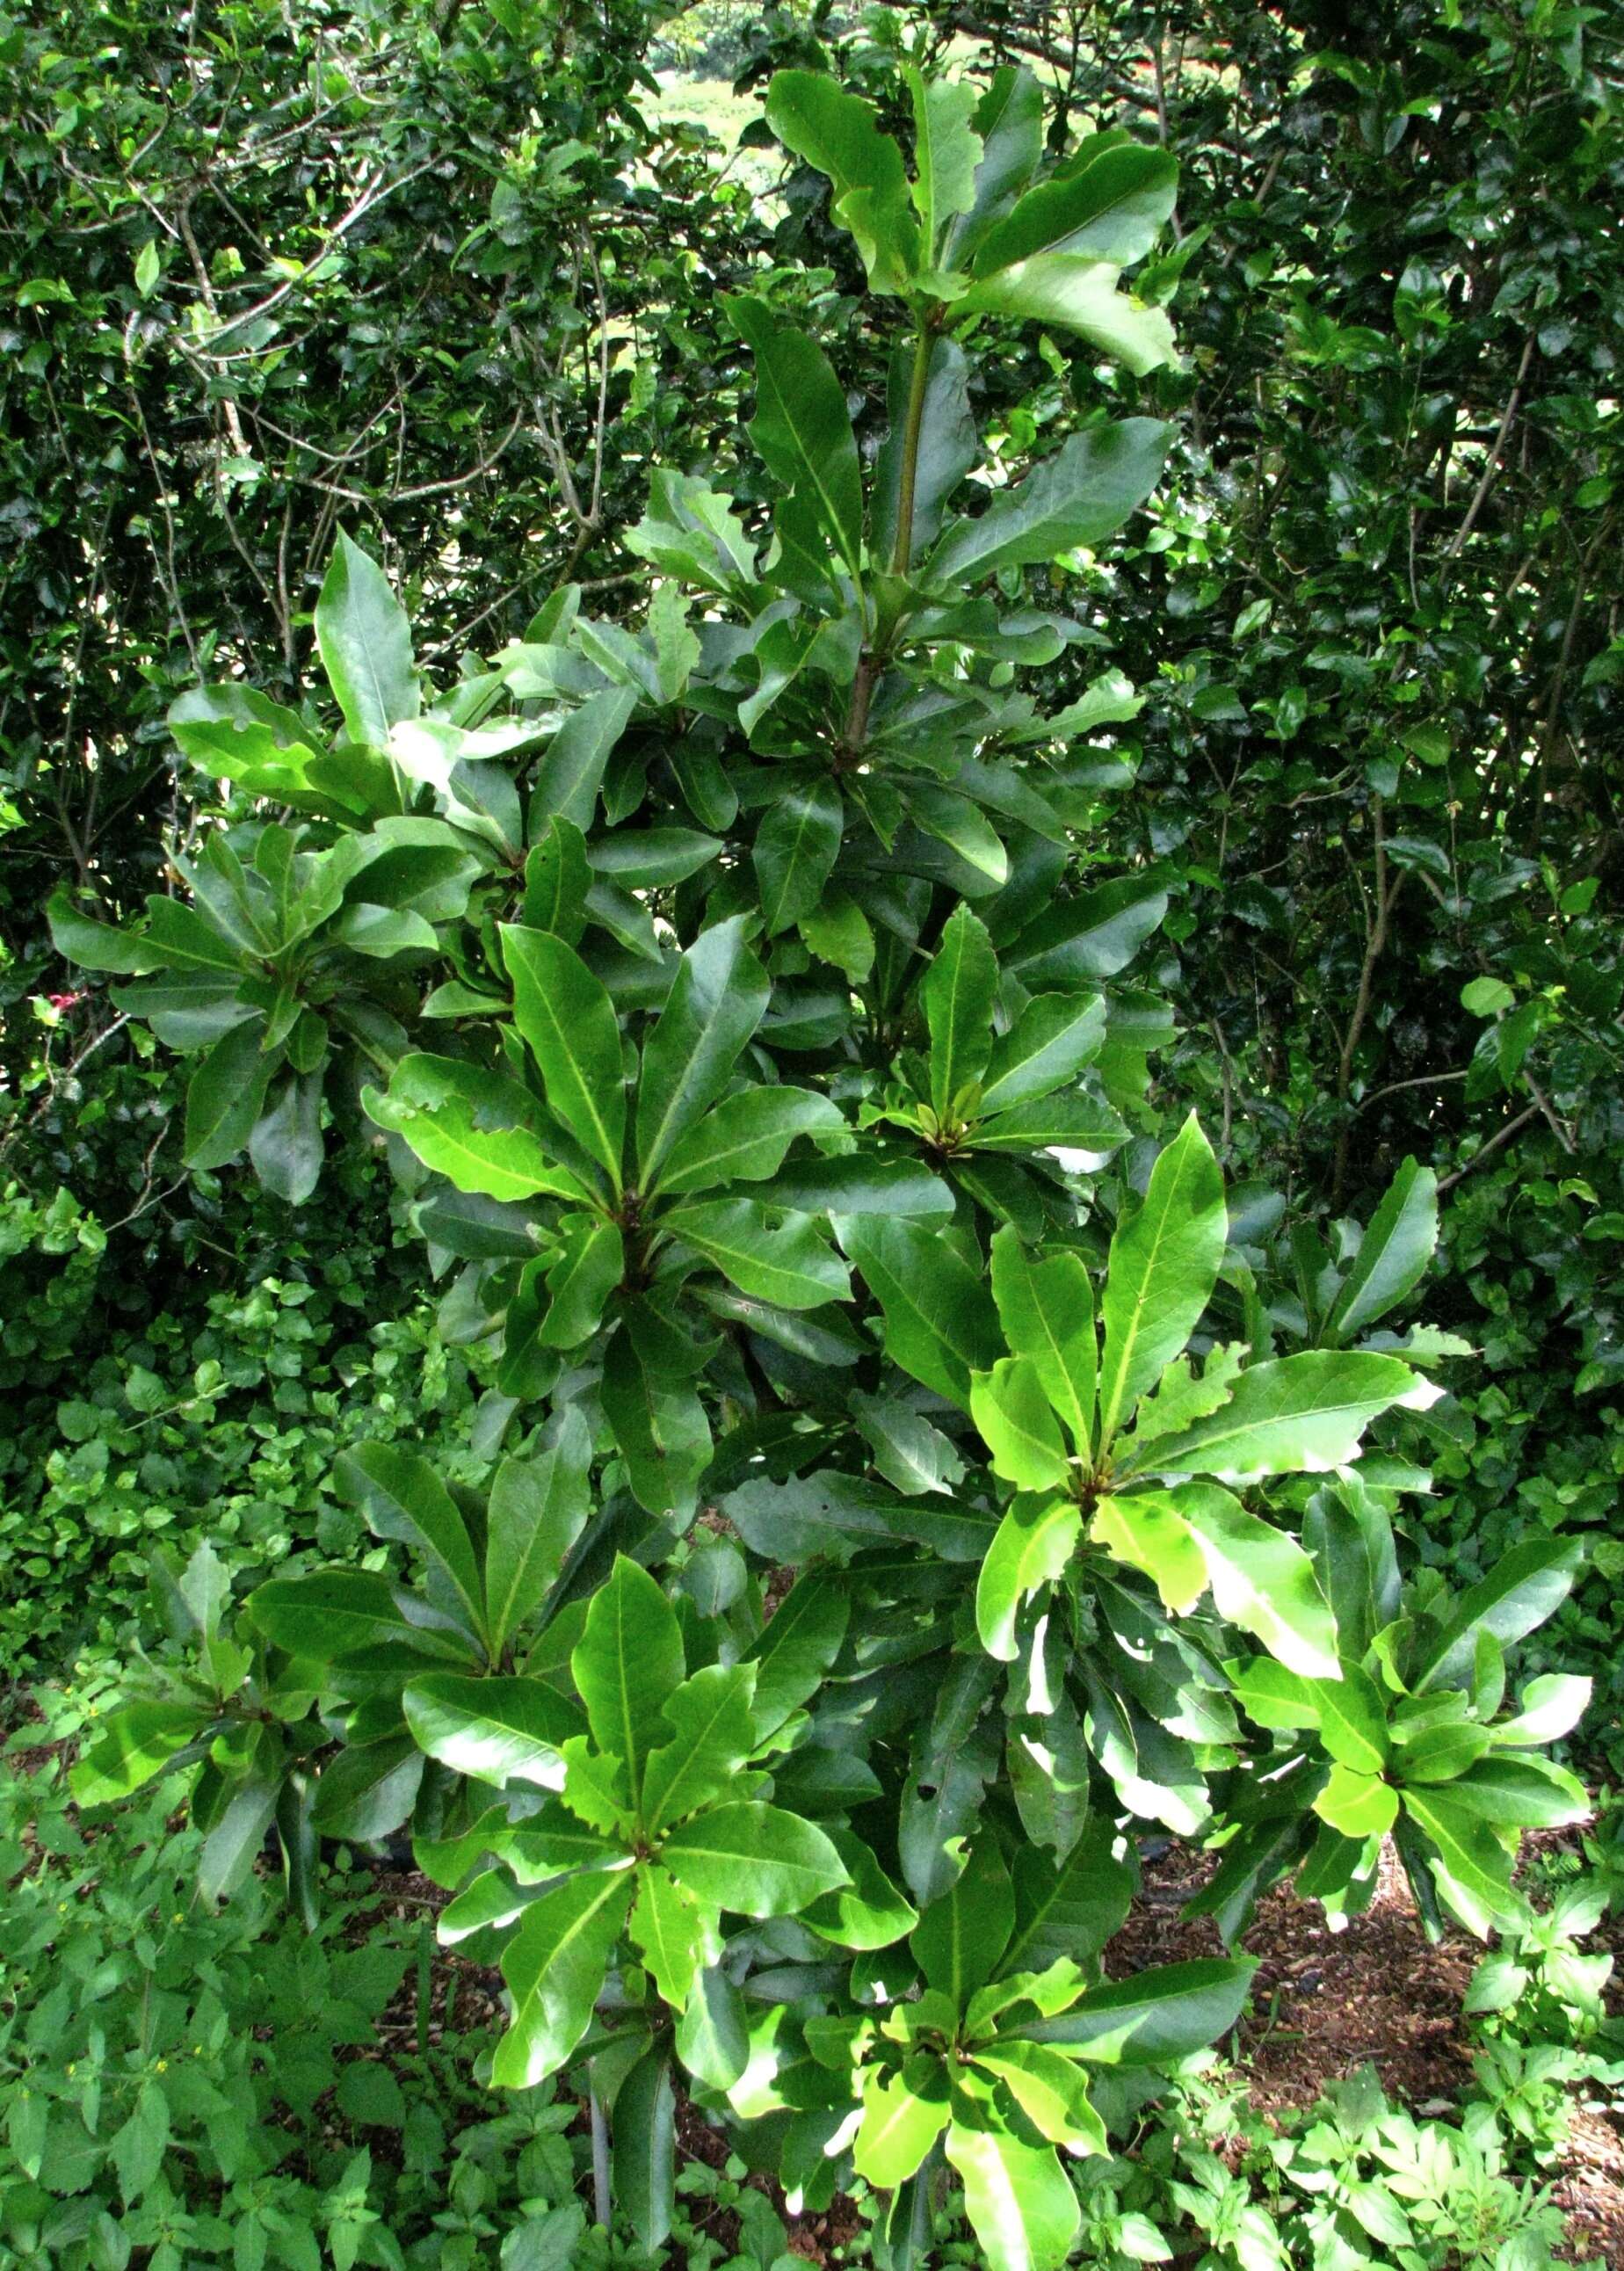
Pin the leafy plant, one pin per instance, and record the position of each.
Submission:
(867, 1329)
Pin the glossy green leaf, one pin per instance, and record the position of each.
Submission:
(1393, 1253)
(1050, 2091)
(1262, 1579)
(1018, 2199)
(785, 1261)
(1011, 1408)
(643, 2166)
(675, 1937)
(959, 993)
(716, 1001)
(947, 447)
(1160, 2014)
(498, 1731)
(1109, 205)
(755, 1860)
(569, 776)
(802, 428)
(627, 1665)
(366, 645)
(555, 1967)
(478, 1128)
(795, 850)
(1047, 1310)
(1288, 1415)
(226, 1094)
(1078, 295)
(1090, 486)
(1034, 1546)
(961, 1937)
(1524, 1587)
(898, 2128)
(402, 1497)
(711, 1735)
(591, 1263)
(744, 1139)
(1357, 1805)
(568, 1023)
(940, 1324)
(1056, 1036)
(839, 134)
(1163, 1265)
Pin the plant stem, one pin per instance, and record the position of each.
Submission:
(873, 661)
(602, 2201)
(902, 555)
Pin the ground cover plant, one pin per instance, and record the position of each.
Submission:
(753, 1267)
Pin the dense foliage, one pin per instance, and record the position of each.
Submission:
(898, 818)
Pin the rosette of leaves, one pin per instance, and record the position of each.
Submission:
(323, 1660)
(995, 2038)
(645, 1826)
(286, 955)
(1412, 1736)
(667, 1207)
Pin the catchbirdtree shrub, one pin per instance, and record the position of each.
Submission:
(903, 1508)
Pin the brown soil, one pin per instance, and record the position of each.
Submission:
(1323, 2003)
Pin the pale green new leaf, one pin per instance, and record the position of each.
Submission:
(1033, 1544)
(1080, 296)
(1262, 1579)
(1294, 1414)
(1010, 1407)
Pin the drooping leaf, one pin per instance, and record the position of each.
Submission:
(802, 428)
(839, 134)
